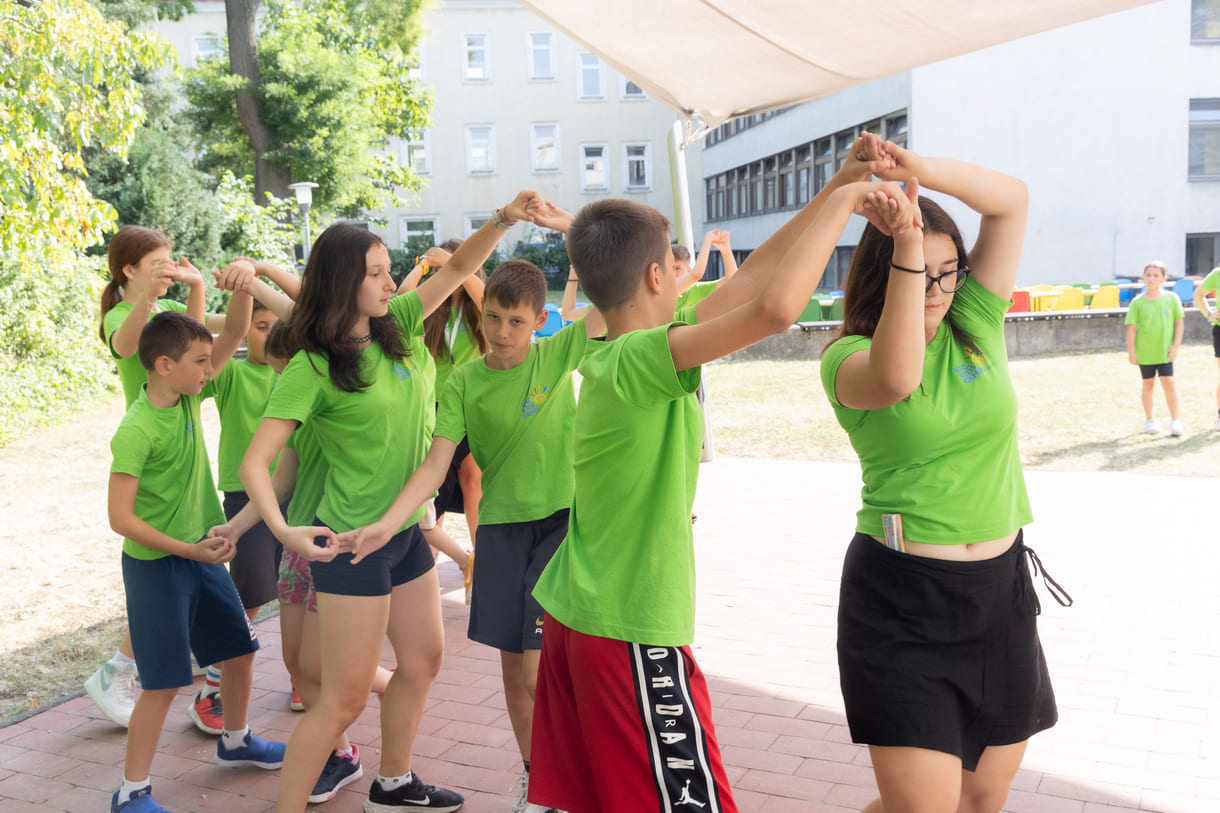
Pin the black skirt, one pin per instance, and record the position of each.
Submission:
(938, 654)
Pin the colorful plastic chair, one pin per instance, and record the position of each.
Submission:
(1106, 297)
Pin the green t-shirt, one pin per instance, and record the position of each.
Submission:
(460, 347)
(519, 423)
(132, 374)
(311, 476)
(372, 440)
(627, 567)
(1153, 319)
(697, 293)
(164, 449)
(241, 391)
(945, 458)
(1211, 282)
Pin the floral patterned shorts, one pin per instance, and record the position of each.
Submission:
(295, 582)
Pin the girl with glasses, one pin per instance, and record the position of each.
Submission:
(941, 668)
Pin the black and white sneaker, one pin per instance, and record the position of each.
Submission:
(338, 772)
(414, 795)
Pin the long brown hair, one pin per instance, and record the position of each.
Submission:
(127, 247)
(326, 310)
(864, 293)
(438, 320)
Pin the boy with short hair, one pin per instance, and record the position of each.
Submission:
(180, 598)
(622, 715)
(1209, 285)
(515, 405)
(1154, 334)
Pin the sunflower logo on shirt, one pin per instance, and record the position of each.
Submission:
(972, 368)
(534, 401)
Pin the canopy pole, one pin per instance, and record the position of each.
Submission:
(677, 179)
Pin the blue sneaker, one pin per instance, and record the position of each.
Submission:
(139, 802)
(254, 750)
(338, 772)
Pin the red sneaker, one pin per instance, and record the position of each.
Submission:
(207, 714)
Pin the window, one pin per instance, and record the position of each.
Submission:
(1205, 20)
(1202, 253)
(1204, 145)
(719, 209)
(638, 165)
(594, 176)
(204, 48)
(591, 84)
(896, 128)
(787, 181)
(544, 147)
(770, 185)
(416, 155)
(710, 204)
(730, 193)
(542, 56)
(476, 66)
(743, 191)
(804, 174)
(756, 188)
(843, 142)
(416, 227)
(630, 90)
(474, 222)
(837, 267)
(823, 168)
(480, 149)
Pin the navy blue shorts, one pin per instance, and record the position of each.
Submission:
(511, 556)
(177, 606)
(256, 567)
(404, 558)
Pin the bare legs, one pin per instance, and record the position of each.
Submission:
(916, 780)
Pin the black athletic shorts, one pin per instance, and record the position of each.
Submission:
(1153, 370)
(256, 567)
(404, 558)
(1216, 339)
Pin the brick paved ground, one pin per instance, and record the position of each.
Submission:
(1136, 665)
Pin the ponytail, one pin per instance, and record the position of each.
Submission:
(128, 246)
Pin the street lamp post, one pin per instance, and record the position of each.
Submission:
(304, 193)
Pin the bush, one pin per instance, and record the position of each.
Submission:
(52, 363)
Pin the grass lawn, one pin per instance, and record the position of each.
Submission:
(61, 610)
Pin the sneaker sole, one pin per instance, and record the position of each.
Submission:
(202, 726)
(246, 763)
(319, 798)
(95, 693)
(375, 807)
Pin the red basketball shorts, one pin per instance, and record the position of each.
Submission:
(621, 727)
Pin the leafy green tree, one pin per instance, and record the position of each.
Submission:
(328, 86)
(549, 253)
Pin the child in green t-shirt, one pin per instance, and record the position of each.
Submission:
(621, 716)
(180, 598)
(1208, 286)
(1154, 333)
(515, 406)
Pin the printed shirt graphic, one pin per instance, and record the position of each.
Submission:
(164, 449)
(132, 374)
(519, 423)
(241, 391)
(372, 440)
(1153, 319)
(627, 567)
(946, 458)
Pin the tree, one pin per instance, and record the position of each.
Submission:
(316, 96)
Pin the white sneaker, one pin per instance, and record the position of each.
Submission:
(522, 804)
(1151, 427)
(112, 688)
(1175, 429)
(1216, 425)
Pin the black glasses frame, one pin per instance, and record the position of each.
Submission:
(959, 279)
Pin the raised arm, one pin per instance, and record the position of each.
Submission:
(235, 277)
(196, 300)
(411, 281)
(1003, 202)
(866, 159)
(567, 306)
(422, 485)
(277, 302)
(473, 252)
(726, 255)
(142, 291)
(284, 279)
(800, 269)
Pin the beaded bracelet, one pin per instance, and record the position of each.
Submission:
(500, 221)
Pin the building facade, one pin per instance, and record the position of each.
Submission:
(1113, 123)
(516, 105)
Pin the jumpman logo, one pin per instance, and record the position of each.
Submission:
(685, 798)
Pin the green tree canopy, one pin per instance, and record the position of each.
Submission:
(333, 90)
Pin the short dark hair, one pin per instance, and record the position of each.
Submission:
(681, 252)
(517, 282)
(611, 244)
(170, 333)
(260, 306)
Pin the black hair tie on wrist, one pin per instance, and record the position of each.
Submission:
(923, 270)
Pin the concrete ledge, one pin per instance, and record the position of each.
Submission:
(1026, 334)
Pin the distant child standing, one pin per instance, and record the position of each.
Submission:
(1209, 285)
(180, 598)
(1154, 334)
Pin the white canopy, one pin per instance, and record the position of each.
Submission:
(718, 59)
